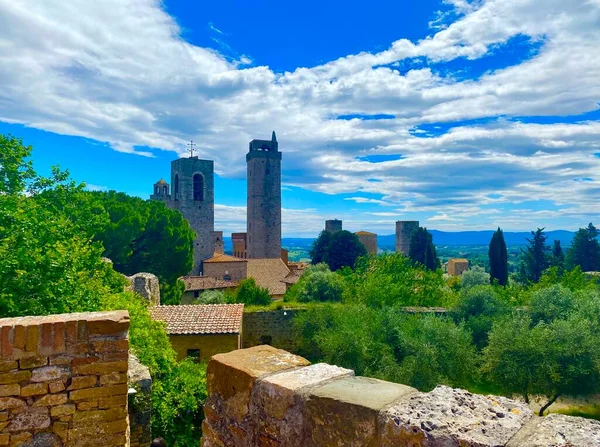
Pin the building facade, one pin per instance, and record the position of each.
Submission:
(369, 240)
(264, 199)
(456, 266)
(404, 232)
(192, 193)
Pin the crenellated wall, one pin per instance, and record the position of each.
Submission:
(63, 380)
(264, 396)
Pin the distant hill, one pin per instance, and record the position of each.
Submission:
(458, 238)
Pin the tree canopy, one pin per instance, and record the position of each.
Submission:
(535, 257)
(585, 250)
(498, 256)
(337, 250)
(422, 249)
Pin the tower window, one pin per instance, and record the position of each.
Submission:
(165, 190)
(198, 187)
(158, 190)
(176, 187)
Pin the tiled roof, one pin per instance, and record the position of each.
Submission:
(292, 277)
(458, 260)
(268, 273)
(364, 233)
(221, 257)
(200, 318)
(161, 182)
(206, 283)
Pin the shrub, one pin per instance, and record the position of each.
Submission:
(475, 276)
(211, 297)
(248, 292)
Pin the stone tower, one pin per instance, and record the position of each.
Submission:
(404, 231)
(333, 226)
(264, 199)
(192, 194)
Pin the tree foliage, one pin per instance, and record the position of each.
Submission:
(585, 250)
(248, 292)
(422, 249)
(498, 256)
(535, 257)
(558, 256)
(475, 276)
(337, 250)
(320, 285)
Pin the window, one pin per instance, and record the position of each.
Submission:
(165, 190)
(158, 190)
(198, 187)
(176, 187)
(196, 293)
(194, 353)
(227, 277)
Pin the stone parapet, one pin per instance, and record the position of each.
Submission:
(63, 380)
(140, 403)
(264, 396)
(146, 285)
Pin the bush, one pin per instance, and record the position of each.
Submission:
(248, 292)
(211, 297)
(320, 286)
(551, 303)
(475, 276)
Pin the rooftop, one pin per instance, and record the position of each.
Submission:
(269, 273)
(458, 260)
(200, 318)
(193, 283)
(220, 257)
(365, 233)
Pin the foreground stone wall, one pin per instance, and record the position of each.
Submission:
(268, 397)
(63, 380)
(140, 403)
(273, 327)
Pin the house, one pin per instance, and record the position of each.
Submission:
(195, 285)
(202, 331)
(269, 273)
(456, 266)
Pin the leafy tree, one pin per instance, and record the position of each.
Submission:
(560, 358)
(535, 257)
(321, 286)
(475, 276)
(422, 249)
(248, 292)
(552, 303)
(585, 250)
(338, 250)
(211, 297)
(558, 257)
(478, 307)
(498, 258)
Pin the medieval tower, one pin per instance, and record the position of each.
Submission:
(192, 193)
(404, 232)
(264, 199)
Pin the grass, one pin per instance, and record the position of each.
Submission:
(584, 411)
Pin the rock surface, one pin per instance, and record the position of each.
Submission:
(146, 285)
(558, 430)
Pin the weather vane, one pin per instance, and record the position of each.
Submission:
(191, 146)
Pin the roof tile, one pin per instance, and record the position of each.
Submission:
(196, 319)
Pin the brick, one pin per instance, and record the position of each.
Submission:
(7, 340)
(56, 387)
(112, 324)
(82, 332)
(33, 362)
(62, 410)
(80, 382)
(14, 377)
(91, 430)
(48, 373)
(7, 365)
(19, 342)
(50, 400)
(70, 335)
(31, 419)
(9, 403)
(94, 393)
(87, 405)
(14, 389)
(3, 416)
(47, 342)
(108, 402)
(113, 378)
(82, 418)
(100, 368)
(60, 360)
(61, 429)
(4, 438)
(115, 356)
(58, 330)
(31, 341)
(34, 389)
(110, 345)
(84, 361)
(20, 439)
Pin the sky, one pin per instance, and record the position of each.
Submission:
(462, 114)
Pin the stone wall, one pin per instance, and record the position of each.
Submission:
(207, 344)
(146, 285)
(140, 403)
(269, 397)
(237, 270)
(63, 380)
(273, 327)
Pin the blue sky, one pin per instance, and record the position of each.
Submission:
(461, 114)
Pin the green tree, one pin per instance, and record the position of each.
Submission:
(585, 250)
(551, 303)
(475, 276)
(558, 257)
(321, 286)
(422, 249)
(248, 292)
(338, 250)
(211, 297)
(535, 257)
(498, 256)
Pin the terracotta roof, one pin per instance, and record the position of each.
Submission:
(200, 318)
(292, 277)
(458, 260)
(364, 233)
(268, 273)
(206, 283)
(221, 257)
(161, 182)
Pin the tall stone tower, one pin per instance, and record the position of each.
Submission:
(192, 193)
(404, 231)
(264, 199)
(333, 226)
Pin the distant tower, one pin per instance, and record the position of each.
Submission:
(240, 245)
(264, 199)
(218, 242)
(161, 191)
(333, 226)
(404, 231)
(369, 240)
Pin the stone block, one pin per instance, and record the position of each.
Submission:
(34, 389)
(62, 410)
(50, 400)
(81, 382)
(4, 438)
(14, 389)
(56, 387)
(452, 417)
(100, 368)
(49, 373)
(33, 362)
(30, 419)
(7, 365)
(345, 411)
(14, 377)
(45, 440)
(20, 439)
(277, 406)
(108, 323)
(146, 285)
(558, 430)
(104, 391)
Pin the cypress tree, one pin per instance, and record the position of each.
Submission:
(558, 257)
(498, 258)
(422, 249)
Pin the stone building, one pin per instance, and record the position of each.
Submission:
(333, 226)
(202, 331)
(228, 268)
(404, 231)
(264, 199)
(456, 266)
(195, 285)
(192, 193)
(218, 242)
(369, 240)
(240, 245)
